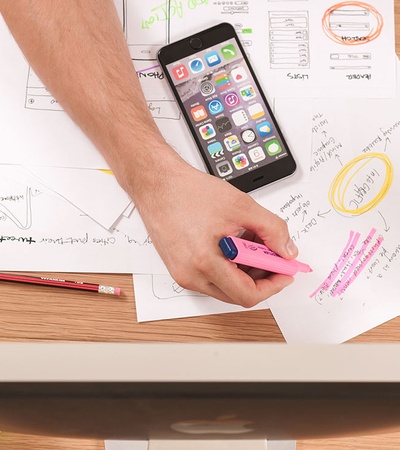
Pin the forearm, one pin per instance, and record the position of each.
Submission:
(78, 49)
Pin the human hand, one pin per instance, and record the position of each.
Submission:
(187, 212)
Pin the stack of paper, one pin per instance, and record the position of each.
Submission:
(62, 210)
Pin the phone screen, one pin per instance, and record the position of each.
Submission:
(228, 114)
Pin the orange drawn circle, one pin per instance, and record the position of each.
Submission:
(372, 35)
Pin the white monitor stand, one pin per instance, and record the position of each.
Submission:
(201, 445)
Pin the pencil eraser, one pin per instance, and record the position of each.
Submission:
(117, 291)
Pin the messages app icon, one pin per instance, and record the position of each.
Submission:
(273, 147)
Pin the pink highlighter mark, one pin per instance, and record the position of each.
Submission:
(340, 263)
(350, 264)
(358, 265)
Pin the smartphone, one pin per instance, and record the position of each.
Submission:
(225, 108)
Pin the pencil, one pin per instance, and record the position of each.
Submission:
(56, 282)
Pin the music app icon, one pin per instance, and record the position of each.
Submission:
(180, 72)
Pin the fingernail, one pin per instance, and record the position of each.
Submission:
(291, 248)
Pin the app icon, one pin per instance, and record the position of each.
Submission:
(196, 65)
(248, 136)
(239, 74)
(273, 147)
(212, 58)
(256, 111)
(224, 168)
(264, 129)
(231, 99)
(240, 161)
(240, 117)
(222, 81)
(229, 51)
(232, 143)
(207, 131)
(215, 150)
(198, 113)
(180, 72)
(215, 107)
(257, 154)
(247, 93)
(207, 88)
(223, 124)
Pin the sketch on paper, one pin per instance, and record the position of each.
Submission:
(164, 287)
(289, 39)
(17, 208)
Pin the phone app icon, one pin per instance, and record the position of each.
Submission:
(239, 74)
(240, 161)
(207, 131)
(256, 111)
(196, 65)
(232, 143)
(240, 117)
(247, 93)
(231, 99)
(215, 150)
(229, 51)
(212, 58)
(222, 81)
(256, 154)
(180, 72)
(264, 129)
(223, 124)
(224, 168)
(215, 107)
(198, 113)
(273, 147)
(248, 136)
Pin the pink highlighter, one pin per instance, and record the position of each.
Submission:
(257, 255)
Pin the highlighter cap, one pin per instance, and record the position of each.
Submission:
(228, 247)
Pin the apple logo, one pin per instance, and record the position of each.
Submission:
(221, 425)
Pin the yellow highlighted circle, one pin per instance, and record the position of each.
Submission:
(345, 178)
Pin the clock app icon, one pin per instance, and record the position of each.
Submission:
(248, 136)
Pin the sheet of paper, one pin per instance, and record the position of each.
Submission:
(160, 297)
(40, 231)
(95, 192)
(345, 222)
(302, 48)
(327, 49)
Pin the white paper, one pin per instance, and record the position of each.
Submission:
(95, 192)
(345, 222)
(160, 297)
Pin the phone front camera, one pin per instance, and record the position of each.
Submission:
(196, 43)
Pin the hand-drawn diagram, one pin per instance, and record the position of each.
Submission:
(22, 216)
(164, 287)
(352, 23)
(289, 39)
(361, 184)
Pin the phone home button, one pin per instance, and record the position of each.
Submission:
(196, 43)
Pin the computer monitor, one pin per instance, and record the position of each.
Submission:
(199, 391)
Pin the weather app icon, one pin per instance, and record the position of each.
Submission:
(264, 129)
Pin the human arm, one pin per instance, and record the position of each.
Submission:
(78, 50)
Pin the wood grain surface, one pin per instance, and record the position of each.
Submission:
(35, 313)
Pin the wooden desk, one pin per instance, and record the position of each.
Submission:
(34, 313)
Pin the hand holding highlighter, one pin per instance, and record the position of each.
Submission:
(253, 254)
